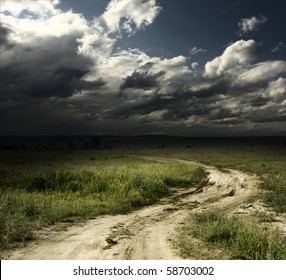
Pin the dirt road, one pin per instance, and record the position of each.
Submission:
(144, 234)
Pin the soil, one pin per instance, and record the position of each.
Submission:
(144, 234)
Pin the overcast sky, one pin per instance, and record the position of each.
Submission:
(129, 67)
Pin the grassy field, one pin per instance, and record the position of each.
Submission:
(233, 237)
(229, 237)
(42, 188)
(268, 163)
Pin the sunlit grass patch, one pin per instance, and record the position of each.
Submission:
(36, 196)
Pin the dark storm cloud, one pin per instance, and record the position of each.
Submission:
(223, 113)
(220, 99)
(203, 87)
(232, 121)
(141, 106)
(4, 32)
(47, 68)
(268, 115)
(223, 100)
(141, 80)
(259, 101)
(91, 117)
(178, 105)
(63, 74)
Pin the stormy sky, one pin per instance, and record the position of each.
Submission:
(130, 67)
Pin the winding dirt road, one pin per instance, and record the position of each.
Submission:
(144, 234)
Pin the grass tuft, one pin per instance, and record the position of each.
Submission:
(243, 239)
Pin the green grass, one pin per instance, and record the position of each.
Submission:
(269, 163)
(241, 239)
(221, 237)
(44, 188)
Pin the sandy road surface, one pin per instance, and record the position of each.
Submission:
(146, 233)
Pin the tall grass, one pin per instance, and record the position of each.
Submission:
(244, 239)
(32, 196)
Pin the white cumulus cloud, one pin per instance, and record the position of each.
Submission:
(277, 89)
(250, 24)
(39, 8)
(130, 16)
(30, 20)
(263, 71)
(195, 51)
(235, 55)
